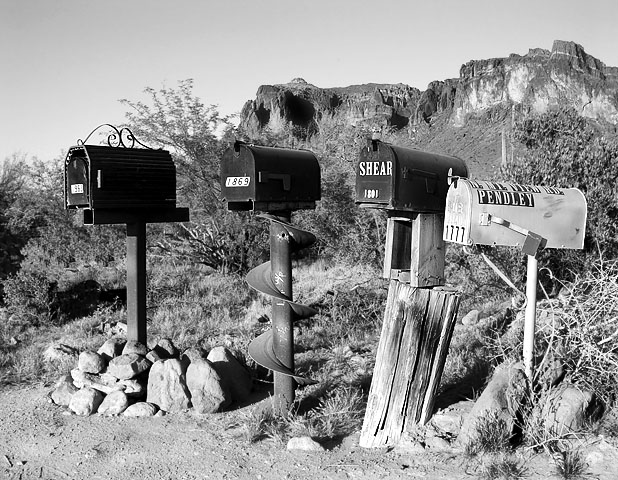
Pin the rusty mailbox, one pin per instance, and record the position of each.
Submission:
(269, 178)
(508, 214)
(411, 185)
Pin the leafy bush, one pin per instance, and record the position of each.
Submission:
(562, 149)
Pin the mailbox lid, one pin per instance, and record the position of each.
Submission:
(556, 214)
(374, 175)
(77, 182)
(255, 174)
(404, 179)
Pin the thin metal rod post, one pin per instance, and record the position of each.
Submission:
(136, 282)
(530, 319)
(283, 333)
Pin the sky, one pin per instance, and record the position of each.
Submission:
(65, 64)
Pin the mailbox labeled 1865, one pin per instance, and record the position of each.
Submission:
(269, 178)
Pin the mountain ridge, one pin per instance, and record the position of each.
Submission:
(538, 81)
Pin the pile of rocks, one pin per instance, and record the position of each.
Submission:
(126, 377)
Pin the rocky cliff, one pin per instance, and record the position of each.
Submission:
(537, 81)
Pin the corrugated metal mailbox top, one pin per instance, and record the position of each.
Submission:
(491, 213)
(404, 179)
(101, 177)
(269, 178)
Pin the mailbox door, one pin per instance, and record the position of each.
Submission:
(422, 179)
(492, 213)
(374, 175)
(238, 178)
(286, 175)
(77, 183)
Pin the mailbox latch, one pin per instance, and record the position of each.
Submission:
(265, 177)
(533, 241)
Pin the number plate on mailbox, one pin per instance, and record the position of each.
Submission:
(237, 181)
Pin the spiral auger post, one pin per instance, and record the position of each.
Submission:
(274, 349)
(276, 181)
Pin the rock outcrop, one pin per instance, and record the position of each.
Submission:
(537, 81)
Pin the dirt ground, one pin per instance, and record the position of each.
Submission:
(39, 440)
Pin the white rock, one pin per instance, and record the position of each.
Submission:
(304, 443)
(86, 401)
(114, 404)
(128, 366)
(91, 362)
(205, 387)
(141, 409)
(167, 386)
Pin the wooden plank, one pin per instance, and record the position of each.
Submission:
(416, 332)
(448, 316)
(427, 251)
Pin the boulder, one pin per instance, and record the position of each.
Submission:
(566, 409)
(105, 384)
(234, 376)
(91, 362)
(133, 346)
(114, 404)
(166, 349)
(306, 444)
(128, 365)
(112, 348)
(471, 318)
(134, 387)
(501, 399)
(153, 356)
(85, 401)
(141, 409)
(167, 387)
(63, 391)
(60, 353)
(205, 386)
(192, 354)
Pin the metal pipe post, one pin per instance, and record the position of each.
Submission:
(136, 281)
(529, 325)
(283, 334)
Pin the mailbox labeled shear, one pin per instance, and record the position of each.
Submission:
(395, 178)
(510, 214)
(269, 178)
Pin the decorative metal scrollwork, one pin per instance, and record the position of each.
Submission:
(122, 137)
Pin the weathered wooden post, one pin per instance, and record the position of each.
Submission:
(119, 184)
(418, 321)
(277, 181)
(527, 216)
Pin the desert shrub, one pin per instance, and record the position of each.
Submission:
(492, 435)
(584, 337)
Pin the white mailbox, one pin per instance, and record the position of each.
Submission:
(510, 214)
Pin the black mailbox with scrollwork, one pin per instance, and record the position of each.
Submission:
(118, 183)
(269, 178)
(102, 177)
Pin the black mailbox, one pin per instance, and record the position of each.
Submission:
(269, 178)
(403, 179)
(112, 178)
